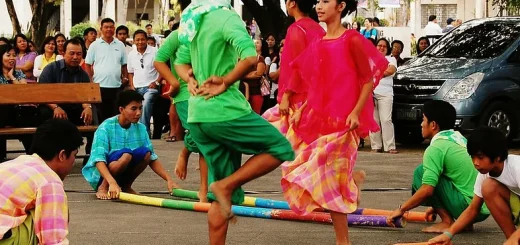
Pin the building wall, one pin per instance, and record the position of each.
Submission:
(442, 11)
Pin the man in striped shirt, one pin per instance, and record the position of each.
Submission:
(33, 204)
(122, 150)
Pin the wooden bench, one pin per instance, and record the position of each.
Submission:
(58, 93)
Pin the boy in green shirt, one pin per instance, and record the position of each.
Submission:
(445, 179)
(181, 95)
(220, 118)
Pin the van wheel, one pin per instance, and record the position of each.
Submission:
(500, 115)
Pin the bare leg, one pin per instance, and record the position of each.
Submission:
(497, 196)
(359, 178)
(446, 222)
(340, 223)
(203, 190)
(182, 163)
(115, 168)
(255, 167)
(132, 173)
(171, 117)
(218, 225)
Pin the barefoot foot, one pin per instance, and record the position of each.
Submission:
(181, 166)
(102, 194)
(203, 196)
(223, 197)
(437, 228)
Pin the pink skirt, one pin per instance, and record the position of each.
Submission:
(321, 175)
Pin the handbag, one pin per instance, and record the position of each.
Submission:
(265, 86)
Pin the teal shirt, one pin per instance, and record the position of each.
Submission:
(167, 52)
(214, 51)
(110, 137)
(107, 59)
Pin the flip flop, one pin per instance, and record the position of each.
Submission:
(171, 139)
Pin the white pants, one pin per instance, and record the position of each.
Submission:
(383, 116)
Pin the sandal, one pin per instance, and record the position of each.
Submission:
(171, 138)
(394, 151)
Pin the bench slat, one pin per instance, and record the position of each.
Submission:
(56, 93)
(24, 131)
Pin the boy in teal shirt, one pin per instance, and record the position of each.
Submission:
(446, 178)
(181, 95)
(220, 118)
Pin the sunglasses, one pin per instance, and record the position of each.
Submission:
(142, 64)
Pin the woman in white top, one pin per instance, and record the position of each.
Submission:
(384, 140)
(48, 54)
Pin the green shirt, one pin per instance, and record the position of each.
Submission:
(444, 157)
(167, 52)
(214, 51)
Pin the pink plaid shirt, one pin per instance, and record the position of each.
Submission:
(27, 183)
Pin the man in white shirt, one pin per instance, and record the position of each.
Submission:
(432, 28)
(143, 76)
(497, 185)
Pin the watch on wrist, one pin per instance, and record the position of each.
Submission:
(157, 83)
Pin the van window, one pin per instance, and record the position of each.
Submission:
(476, 40)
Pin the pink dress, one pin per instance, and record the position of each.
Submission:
(299, 35)
(334, 70)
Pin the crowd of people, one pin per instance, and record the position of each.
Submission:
(311, 126)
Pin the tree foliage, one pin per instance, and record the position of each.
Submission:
(507, 7)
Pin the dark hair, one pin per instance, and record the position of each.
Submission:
(45, 42)
(369, 20)
(350, 7)
(5, 48)
(148, 25)
(419, 41)
(53, 136)
(398, 42)
(7, 41)
(128, 96)
(175, 26)
(122, 27)
(440, 112)
(151, 38)
(346, 25)
(305, 6)
(76, 41)
(449, 21)
(15, 40)
(90, 29)
(107, 20)
(265, 47)
(432, 17)
(373, 41)
(488, 141)
(388, 48)
(184, 3)
(140, 32)
(358, 25)
(376, 20)
(29, 42)
(59, 35)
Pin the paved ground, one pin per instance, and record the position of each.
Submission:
(108, 222)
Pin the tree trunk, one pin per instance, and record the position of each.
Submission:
(14, 17)
(142, 13)
(42, 11)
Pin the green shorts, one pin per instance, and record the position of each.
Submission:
(182, 112)
(514, 203)
(223, 143)
(24, 234)
(445, 196)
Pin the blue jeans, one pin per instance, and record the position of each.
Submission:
(149, 98)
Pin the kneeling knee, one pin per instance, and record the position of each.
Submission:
(490, 188)
(125, 159)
